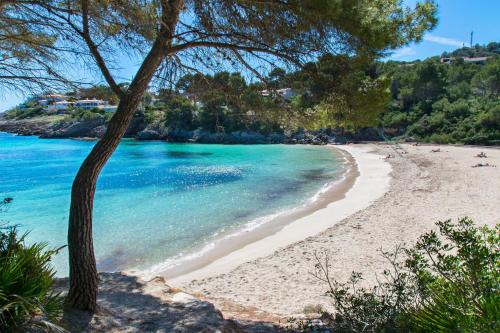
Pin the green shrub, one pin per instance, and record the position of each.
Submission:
(27, 299)
(448, 282)
(458, 275)
(29, 112)
(90, 115)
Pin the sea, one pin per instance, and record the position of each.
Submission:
(158, 202)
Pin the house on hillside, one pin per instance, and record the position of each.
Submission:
(475, 60)
(89, 104)
(194, 98)
(108, 108)
(85, 104)
(285, 93)
(49, 99)
(60, 107)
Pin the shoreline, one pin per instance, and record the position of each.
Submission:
(94, 129)
(371, 182)
(253, 231)
(426, 185)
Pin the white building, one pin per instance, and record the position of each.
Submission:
(475, 60)
(60, 106)
(108, 108)
(50, 99)
(285, 93)
(265, 93)
(88, 104)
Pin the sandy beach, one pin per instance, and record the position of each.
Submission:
(345, 197)
(392, 202)
(257, 287)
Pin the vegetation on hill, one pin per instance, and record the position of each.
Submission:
(456, 102)
(432, 101)
(447, 282)
(428, 100)
(490, 50)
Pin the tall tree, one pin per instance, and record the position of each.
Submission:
(173, 36)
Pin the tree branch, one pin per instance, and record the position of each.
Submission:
(95, 52)
(247, 66)
(189, 45)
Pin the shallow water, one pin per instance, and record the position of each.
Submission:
(155, 200)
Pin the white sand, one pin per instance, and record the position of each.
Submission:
(273, 275)
(373, 174)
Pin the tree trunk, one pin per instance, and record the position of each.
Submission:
(83, 275)
(83, 272)
(82, 265)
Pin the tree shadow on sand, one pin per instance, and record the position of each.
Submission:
(127, 304)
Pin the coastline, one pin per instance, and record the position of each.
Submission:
(426, 185)
(55, 127)
(253, 231)
(369, 171)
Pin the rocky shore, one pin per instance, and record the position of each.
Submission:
(139, 130)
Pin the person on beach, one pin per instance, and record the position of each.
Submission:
(481, 155)
(483, 165)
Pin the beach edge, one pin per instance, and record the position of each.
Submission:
(372, 183)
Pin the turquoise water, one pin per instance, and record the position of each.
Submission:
(155, 200)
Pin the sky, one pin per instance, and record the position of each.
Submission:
(457, 18)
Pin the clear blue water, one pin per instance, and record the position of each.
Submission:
(156, 199)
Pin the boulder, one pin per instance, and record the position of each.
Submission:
(148, 134)
(75, 129)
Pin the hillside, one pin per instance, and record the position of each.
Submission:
(454, 98)
(446, 102)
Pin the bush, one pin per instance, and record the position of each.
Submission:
(458, 275)
(448, 282)
(27, 299)
(29, 112)
(90, 115)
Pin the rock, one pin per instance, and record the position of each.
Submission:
(184, 298)
(275, 138)
(96, 128)
(129, 304)
(99, 131)
(137, 124)
(252, 138)
(75, 129)
(148, 135)
(24, 127)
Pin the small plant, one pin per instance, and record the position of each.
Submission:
(313, 309)
(447, 282)
(378, 309)
(27, 299)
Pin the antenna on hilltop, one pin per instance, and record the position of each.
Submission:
(471, 37)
